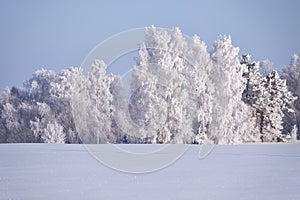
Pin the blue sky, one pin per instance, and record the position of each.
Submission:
(58, 34)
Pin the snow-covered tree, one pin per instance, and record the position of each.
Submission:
(274, 99)
(16, 113)
(148, 103)
(25, 113)
(231, 118)
(292, 136)
(42, 118)
(177, 93)
(253, 81)
(203, 88)
(54, 133)
(291, 74)
(266, 67)
(48, 89)
(252, 92)
(161, 86)
(14, 129)
(63, 91)
(92, 105)
(269, 99)
(40, 85)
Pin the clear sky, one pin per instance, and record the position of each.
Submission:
(58, 34)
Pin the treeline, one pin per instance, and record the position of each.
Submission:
(179, 92)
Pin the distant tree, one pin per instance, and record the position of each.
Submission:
(266, 67)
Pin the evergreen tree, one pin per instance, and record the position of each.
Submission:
(274, 99)
(252, 93)
(291, 74)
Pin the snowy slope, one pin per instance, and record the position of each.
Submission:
(42, 171)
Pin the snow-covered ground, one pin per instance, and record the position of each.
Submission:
(252, 171)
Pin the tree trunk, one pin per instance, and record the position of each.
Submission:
(168, 112)
(261, 127)
(254, 117)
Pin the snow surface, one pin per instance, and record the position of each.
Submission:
(251, 171)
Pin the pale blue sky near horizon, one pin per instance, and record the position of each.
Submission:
(59, 34)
